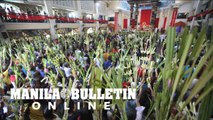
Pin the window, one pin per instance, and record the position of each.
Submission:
(182, 15)
(111, 18)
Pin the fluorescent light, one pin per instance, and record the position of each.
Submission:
(97, 4)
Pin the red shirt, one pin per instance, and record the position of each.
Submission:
(107, 41)
(140, 72)
(125, 84)
(56, 41)
(114, 50)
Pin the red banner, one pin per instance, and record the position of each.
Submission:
(156, 22)
(133, 23)
(174, 16)
(116, 21)
(145, 18)
(164, 23)
(125, 23)
(200, 14)
(24, 17)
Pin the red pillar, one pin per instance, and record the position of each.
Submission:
(174, 16)
(133, 23)
(164, 23)
(125, 23)
(156, 22)
(116, 21)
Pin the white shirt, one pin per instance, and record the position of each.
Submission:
(97, 62)
(67, 71)
(162, 37)
(139, 113)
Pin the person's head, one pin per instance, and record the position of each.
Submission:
(39, 59)
(66, 64)
(153, 73)
(85, 51)
(11, 72)
(110, 58)
(37, 79)
(146, 76)
(162, 31)
(1, 104)
(40, 66)
(78, 84)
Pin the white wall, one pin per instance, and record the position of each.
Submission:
(112, 7)
(186, 8)
(102, 8)
(33, 1)
(88, 6)
(26, 26)
(68, 25)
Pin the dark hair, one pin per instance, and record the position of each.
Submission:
(40, 66)
(37, 76)
(32, 68)
(145, 100)
(110, 58)
(71, 106)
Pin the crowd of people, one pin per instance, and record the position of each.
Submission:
(80, 59)
(29, 15)
(35, 15)
(10, 15)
